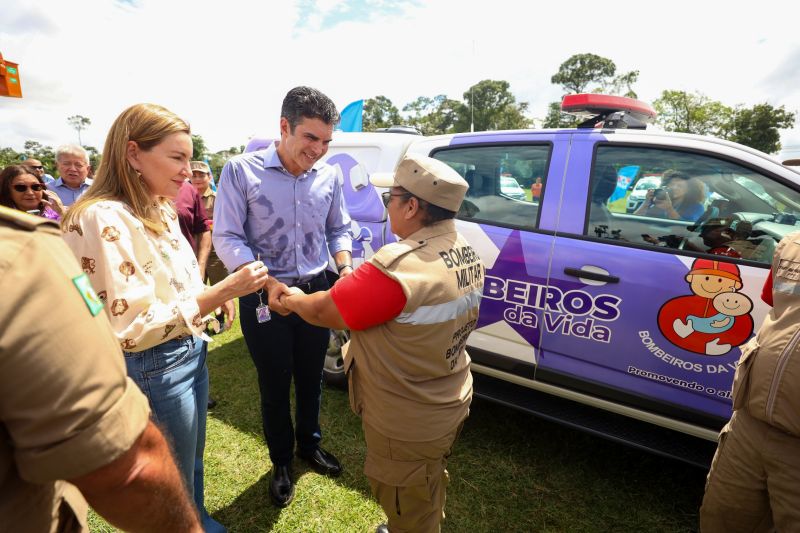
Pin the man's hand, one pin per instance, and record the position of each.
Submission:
(346, 271)
(275, 289)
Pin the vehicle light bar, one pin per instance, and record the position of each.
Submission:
(603, 110)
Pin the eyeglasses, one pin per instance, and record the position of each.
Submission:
(36, 187)
(37, 167)
(387, 196)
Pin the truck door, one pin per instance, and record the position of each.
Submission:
(508, 216)
(635, 309)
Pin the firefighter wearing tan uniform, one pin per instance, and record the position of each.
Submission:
(67, 410)
(754, 482)
(411, 308)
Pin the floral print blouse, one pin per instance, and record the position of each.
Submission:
(148, 282)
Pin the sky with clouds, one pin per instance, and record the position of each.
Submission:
(224, 66)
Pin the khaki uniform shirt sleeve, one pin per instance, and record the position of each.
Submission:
(65, 399)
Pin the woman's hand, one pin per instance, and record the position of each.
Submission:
(247, 279)
(663, 201)
(229, 310)
(58, 207)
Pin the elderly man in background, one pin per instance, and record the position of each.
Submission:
(72, 162)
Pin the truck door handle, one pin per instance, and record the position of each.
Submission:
(586, 274)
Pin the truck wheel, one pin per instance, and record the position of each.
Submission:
(333, 371)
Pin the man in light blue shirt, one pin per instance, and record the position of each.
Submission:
(283, 206)
(72, 162)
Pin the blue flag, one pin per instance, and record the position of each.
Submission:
(352, 117)
(210, 173)
(625, 176)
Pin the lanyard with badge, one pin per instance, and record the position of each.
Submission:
(262, 311)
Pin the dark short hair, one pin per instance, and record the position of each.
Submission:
(307, 102)
(432, 213)
(7, 176)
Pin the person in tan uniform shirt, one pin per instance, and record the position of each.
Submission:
(67, 410)
(410, 308)
(754, 481)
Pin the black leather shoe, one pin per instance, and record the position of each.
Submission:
(323, 462)
(383, 528)
(281, 486)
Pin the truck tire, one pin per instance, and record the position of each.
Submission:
(333, 370)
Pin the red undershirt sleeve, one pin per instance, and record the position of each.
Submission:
(368, 297)
(766, 292)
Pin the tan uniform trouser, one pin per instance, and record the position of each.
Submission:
(409, 479)
(215, 270)
(754, 482)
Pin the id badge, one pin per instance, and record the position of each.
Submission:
(262, 314)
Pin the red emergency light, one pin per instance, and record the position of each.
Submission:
(604, 110)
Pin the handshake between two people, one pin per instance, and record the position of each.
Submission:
(279, 294)
(254, 277)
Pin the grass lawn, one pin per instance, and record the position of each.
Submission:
(509, 471)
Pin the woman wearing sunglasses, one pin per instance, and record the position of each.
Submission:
(21, 189)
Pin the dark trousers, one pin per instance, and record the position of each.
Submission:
(284, 348)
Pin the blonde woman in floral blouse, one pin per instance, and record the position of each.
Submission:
(124, 231)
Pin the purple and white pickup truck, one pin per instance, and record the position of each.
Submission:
(623, 319)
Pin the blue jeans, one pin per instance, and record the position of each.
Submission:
(174, 377)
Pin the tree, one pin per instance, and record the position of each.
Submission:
(198, 148)
(623, 81)
(758, 126)
(217, 160)
(45, 154)
(693, 113)
(94, 157)
(434, 116)
(575, 76)
(557, 119)
(493, 107)
(78, 123)
(576, 73)
(9, 156)
(379, 112)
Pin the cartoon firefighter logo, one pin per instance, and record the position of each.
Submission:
(715, 318)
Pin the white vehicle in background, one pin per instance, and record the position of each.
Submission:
(510, 187)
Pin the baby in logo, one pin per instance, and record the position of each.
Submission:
(715, 318)
(728, 304)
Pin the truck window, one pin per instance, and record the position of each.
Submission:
(506, 183)
(686, 201)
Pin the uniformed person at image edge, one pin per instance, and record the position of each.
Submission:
(67, 409)
(754, 481)
(406, 363)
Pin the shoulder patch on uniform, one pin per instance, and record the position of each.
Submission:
(394, 251)
(93, 302)
(25, 221)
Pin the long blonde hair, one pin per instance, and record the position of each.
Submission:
(116, 179)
